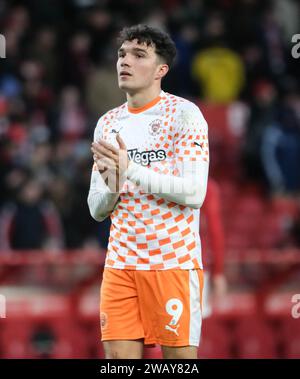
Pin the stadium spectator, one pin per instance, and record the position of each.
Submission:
(287, 15)
(77, 60)
(218, 69)
(280, 148)
(44, 50)
(262, 115)
(70, 120)
(31, 222)
(272, 44)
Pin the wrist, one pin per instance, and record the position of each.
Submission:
(129, 169)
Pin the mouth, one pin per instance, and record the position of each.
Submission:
(124, 74)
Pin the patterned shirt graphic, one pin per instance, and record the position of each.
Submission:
(147, 231)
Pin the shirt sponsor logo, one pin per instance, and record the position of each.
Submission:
(145, 157)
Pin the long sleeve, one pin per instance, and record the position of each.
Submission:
(188, 190)
(101, 200)
(191, 155)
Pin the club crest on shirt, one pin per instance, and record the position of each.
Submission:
(155, 127)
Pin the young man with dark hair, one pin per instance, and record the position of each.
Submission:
(150, 175)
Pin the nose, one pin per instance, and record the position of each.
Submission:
(125, 61)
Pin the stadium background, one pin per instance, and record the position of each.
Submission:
(235, 61)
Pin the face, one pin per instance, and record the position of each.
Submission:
(138, 67)
(31, 193)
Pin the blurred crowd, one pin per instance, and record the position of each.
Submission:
(59, 77)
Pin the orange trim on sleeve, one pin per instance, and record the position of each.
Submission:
(144, 107)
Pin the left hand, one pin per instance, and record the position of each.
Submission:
(111, 161)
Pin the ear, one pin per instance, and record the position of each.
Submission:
(162, 71)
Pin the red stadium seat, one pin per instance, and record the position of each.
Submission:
(100, 349)
(41, 326)
(15, 337)
(251, 205)
(274, 228)
(290, 335)
(95, 338)
(238, 241)
(285, 207)
(270, 231)
(215, 340)
(254, 339)
(241, 221)
(52, 339)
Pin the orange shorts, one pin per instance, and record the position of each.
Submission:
(162, 307)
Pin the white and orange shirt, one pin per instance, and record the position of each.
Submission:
(149, 232)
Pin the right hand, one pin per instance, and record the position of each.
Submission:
(112, 162)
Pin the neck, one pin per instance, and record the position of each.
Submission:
(140, 99)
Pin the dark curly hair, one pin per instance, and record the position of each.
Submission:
(164, 46)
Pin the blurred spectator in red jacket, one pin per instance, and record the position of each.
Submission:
(212, 237)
